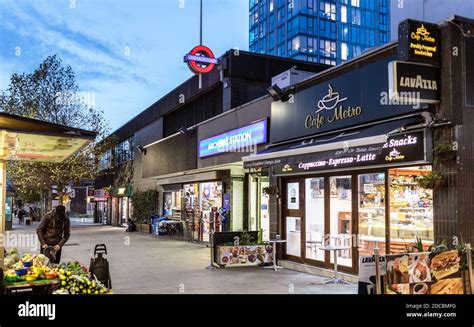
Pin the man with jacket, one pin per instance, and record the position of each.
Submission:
(54, 231)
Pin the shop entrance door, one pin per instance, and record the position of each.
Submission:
(317, 211)
(340, 219)
(293, 218)
(258, 206)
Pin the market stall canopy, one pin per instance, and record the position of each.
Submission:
(375, 144)
(28, 139)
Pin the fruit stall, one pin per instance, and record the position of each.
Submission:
(34, 273)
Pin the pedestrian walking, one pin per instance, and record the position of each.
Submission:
(21, 215)
(32, 214)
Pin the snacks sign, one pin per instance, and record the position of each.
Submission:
(424, 273)
(418, 41)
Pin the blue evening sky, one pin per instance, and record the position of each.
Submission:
(128, 52)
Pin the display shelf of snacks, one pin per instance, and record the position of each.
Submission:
(176, 213)
(372, 221)
(411, 209)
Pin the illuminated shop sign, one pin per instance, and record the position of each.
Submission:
(244, 139)
(418, 41)
(414, 82)
(350, 99)
(402, 148)
(201, 60)
(330, 109)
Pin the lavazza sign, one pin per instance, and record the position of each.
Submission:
(418, 82)
(415, 81)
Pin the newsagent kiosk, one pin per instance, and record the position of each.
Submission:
(366, 155)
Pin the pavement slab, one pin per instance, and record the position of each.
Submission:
(146, 264)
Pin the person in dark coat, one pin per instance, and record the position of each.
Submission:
(32, 214)
(21, 215)
(53, 232)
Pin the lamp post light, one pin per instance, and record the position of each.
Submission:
(424, 2)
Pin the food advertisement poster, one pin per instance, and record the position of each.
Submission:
(245, 255)
(424, 273)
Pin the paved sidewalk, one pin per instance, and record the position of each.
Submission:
(144, 264)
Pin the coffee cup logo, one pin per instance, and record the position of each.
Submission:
(422, 34)
(330, 100)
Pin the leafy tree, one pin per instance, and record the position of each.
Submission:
(50, 93)
(145, 205)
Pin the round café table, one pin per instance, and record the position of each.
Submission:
(335, 249)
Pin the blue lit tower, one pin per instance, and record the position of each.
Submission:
(325, 31)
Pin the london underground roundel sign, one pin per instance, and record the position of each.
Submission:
(201, 60)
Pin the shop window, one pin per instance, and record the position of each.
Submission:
(314, 218)
(264, 212)
(192, 217)
(341, 217)
(293, 222)
(293, 236)
(371, 213)
(237, 204)
(411, 209)
(259, 218)
(210, 201)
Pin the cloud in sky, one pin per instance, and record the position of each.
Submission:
(129, 52)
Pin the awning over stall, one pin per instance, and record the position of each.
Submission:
(37, 141)
(32, 140)
(402, 140)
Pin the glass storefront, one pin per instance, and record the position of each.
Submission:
(123, 210)
(354, 211)
(341, 217)
(172, 204)
(114, 211)
(210, 202)
(314, 218)
(371, 213)
(411, 209)
(191, 214)
(258, 218)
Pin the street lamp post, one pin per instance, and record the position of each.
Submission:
(424, 2)
(200, 37)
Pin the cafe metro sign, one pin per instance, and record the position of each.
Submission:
(330, 109)
(201, 60)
